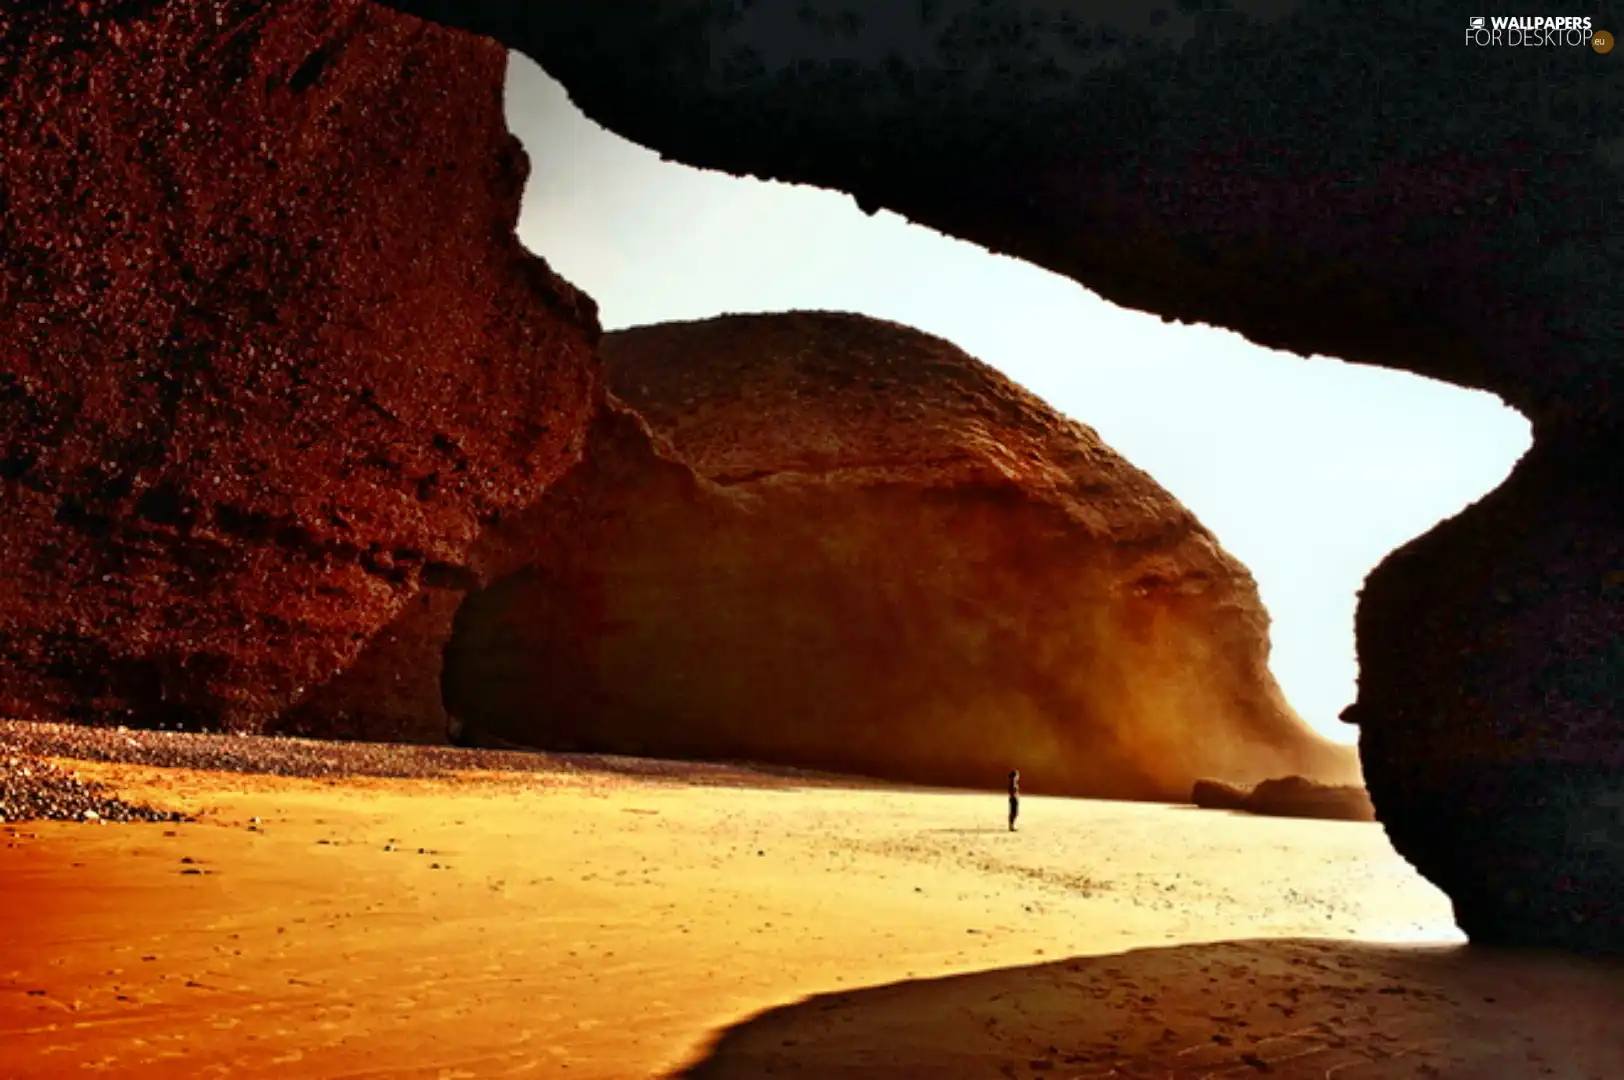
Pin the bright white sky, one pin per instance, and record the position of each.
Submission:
(1308, 471)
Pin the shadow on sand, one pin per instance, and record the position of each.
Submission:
(1285, 1009)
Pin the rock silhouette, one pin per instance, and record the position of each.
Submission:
(886, 559)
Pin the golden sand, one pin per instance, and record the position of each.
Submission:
(601, 926)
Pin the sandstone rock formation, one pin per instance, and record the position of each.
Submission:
(1334, 179)
(1327, 178)
(395, 689)
(892, 561)
(270, 353)
(1287, 796)
(1218, 795)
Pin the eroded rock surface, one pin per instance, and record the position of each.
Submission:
(1332, 178)
(891, 561)
(396, 688)
(1287, 796)
(270, 353)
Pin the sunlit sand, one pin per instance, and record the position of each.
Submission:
(600, 925)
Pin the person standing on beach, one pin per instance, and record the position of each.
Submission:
(1014, 797)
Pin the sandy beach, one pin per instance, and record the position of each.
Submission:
(711, 923)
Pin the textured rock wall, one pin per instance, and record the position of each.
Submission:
(893, 561)
(1324, 176)
(396, 689)
(269, 352)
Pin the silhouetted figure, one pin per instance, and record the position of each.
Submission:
(1014, 797)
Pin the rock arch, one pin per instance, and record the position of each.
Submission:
(1324, 177)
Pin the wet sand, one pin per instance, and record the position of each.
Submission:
(712, 923)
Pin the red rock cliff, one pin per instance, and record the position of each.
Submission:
(893, 561)
(269, 351)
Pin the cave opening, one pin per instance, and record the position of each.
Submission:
(1309, 470)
